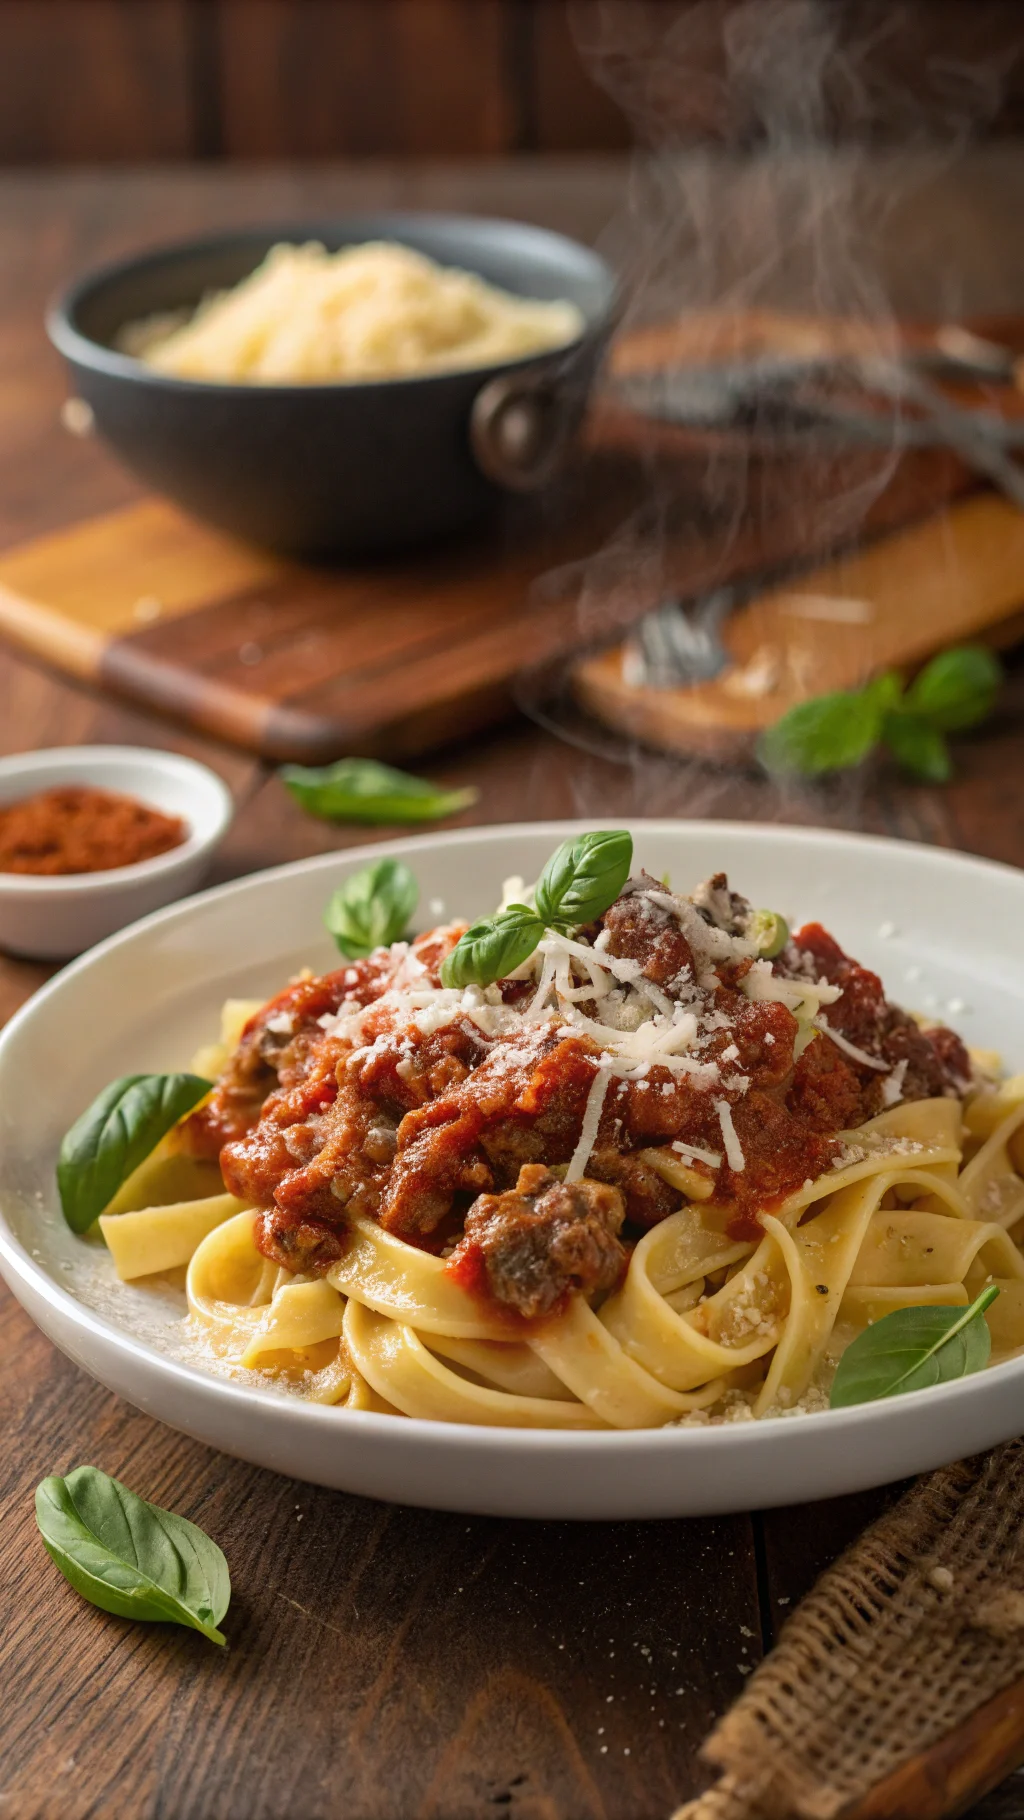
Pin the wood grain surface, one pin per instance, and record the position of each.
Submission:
(412, 77)
(386, 1664)
(395, 658)
(98, 80)
(954, 578)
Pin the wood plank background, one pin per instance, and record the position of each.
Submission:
(103, 81)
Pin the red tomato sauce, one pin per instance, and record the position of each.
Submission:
(415, 1126)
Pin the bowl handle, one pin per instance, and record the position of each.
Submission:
(521, 425)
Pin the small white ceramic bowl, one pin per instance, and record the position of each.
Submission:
(54, 918)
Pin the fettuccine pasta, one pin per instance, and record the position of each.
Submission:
(652, 1176)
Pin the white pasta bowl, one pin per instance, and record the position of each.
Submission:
(941, 928)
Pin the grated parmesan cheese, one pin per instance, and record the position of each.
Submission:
(696, 1155)
(281, 1025)
(892, 1086)
(733, 1148)
(591, 1120)
(803, 996)
(575, 989)
(851, 1049)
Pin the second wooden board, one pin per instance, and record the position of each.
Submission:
(955, 577)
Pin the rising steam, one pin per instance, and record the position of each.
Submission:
(766, 181)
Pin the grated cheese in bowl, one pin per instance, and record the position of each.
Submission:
(372, 311)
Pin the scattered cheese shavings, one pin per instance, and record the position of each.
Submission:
(591, 1120)
(848, 1155)
(851, 1049)
(733, 1148)
(763, 985)
(575, 989)
(892, 1086)
(713, 1158)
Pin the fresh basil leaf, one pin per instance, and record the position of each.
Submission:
(920, 748)
(829, 732)
(372, 908)
(577, 884)
(912, 1350)
(493, 948)
(957, 688)
(583, 878)
(130, 1557)
(885, 691)
(123, 1124)
(362, 790)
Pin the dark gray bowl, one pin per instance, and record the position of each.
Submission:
(343, 467)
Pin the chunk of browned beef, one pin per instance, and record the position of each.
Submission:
(646, 1196)
(299, 1244)
(446, 1147)
(545, 1237)
(640, 929)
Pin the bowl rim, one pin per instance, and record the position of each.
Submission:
(454, 1439)
(83, 351)
(193, 775)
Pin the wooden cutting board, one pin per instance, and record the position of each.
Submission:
(886, 602)
(953, 578)
(393, 659)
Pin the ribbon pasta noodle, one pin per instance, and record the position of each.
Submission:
(730, 1299)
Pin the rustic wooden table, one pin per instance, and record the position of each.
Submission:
(388, 1663)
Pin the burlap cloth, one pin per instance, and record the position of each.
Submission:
(918, 1624)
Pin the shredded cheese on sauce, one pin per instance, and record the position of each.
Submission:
(695, 1154)
(733, 1148)
(892, 1088)
(591, 1120)
(581, 990)
(851, 1049)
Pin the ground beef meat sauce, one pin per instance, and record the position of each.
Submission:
(544, 1238)
(452, 1118)
(933, 1061)
(285, 1040)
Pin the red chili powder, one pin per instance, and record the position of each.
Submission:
(75, 828)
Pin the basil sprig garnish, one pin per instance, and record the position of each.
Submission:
(117, 1132)
(836, 731)
(493, 948)
(583, 878)
(576, 886)
(130, 1557)
(913, 1349)
(372, 908)
(363, 790)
